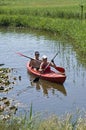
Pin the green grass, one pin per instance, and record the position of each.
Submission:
(41, 3)
(62, 18)
(55, 8)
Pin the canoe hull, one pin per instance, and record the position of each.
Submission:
(51, 76)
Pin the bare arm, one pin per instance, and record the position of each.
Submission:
(31, 62)
(52, 64)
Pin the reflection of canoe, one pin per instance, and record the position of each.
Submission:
(46, 86)
(50, 76)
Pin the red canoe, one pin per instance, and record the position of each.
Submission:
(51, 76)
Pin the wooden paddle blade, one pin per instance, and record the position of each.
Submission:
(60, 69)
(36, 79)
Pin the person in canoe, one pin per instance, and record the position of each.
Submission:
(45, 66)
(35, 63)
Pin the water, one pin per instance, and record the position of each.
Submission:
(44, 96)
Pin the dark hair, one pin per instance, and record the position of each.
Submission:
(36, 53)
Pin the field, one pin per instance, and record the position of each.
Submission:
(55, 8)
(43, 3)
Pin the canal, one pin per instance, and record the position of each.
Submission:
(43, 95)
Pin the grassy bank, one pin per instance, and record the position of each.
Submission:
(65, 19)
(73, 30)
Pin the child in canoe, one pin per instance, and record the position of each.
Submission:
(45, 66)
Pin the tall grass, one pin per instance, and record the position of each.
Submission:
(53, 12)
(42, 2)
(66, 122)
(44, 8)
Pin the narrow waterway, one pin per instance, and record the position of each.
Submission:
(44, 96)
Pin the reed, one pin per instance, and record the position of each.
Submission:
(53, 122)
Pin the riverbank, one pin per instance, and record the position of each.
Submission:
(67, 29)
(62, 20)
(67, 25)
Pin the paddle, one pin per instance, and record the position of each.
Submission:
(25, 56)
(60, 69)
(1, 64)
(37, 78)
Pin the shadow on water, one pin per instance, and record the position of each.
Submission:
(47, 86)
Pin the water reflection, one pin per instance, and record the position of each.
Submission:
(47, 86)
